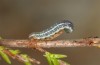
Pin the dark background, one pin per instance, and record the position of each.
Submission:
(19, 18)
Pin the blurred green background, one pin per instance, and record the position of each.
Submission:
(19, 18)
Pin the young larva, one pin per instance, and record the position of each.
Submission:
(54, 31)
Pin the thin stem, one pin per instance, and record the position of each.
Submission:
(49, 44)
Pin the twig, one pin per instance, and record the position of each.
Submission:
(48, 44)
(19, 57)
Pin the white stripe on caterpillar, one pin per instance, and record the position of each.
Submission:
(53, 31)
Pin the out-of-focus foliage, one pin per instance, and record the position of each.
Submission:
(53, 59)
(4, 56)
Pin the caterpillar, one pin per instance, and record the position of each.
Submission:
(54, 31)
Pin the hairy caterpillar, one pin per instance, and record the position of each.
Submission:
(54, 31)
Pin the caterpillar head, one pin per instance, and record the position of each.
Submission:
(68, 26)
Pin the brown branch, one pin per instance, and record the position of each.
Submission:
(48, 44)
(19, 57)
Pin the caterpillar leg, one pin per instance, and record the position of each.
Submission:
(33, 45)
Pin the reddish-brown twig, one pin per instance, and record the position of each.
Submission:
(19, 57)
(49, 44)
